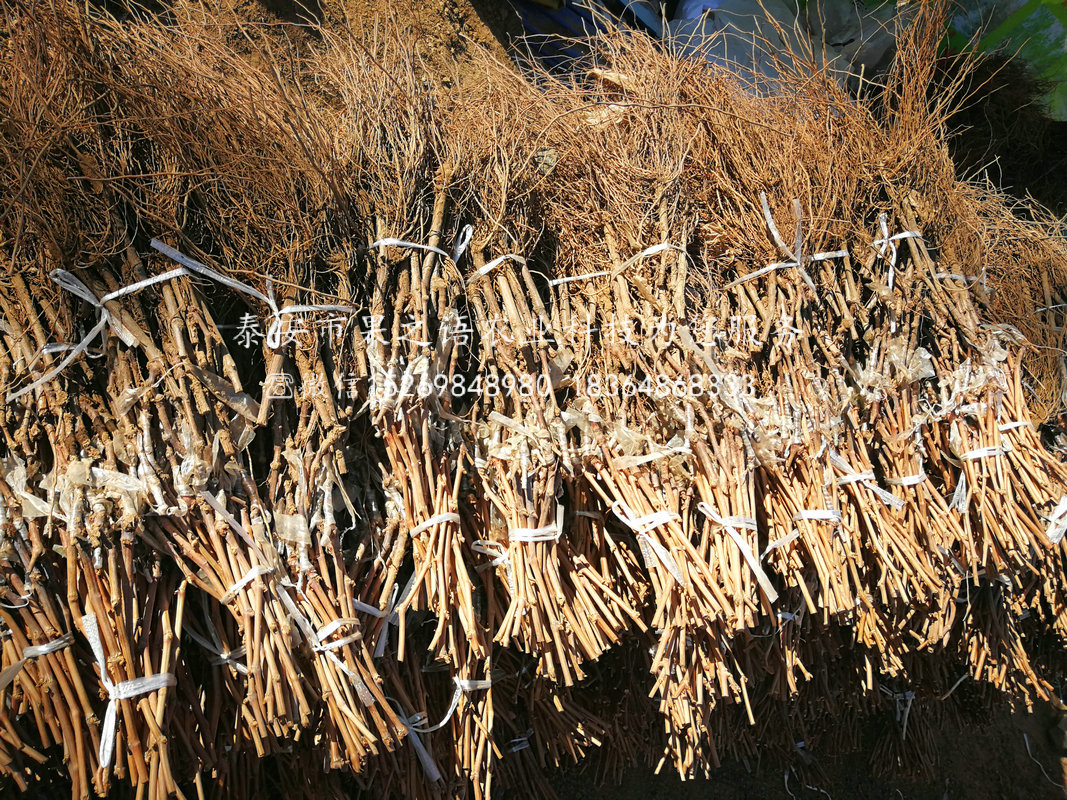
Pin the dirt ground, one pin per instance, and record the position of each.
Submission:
(979, 760)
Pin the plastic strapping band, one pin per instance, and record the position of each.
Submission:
(115, 692)
(867, 478)
(648, 251)
(650, 546)
(645, 523)
(274, 332)
(461, 687)
(393, 242)
(34, 651)
(433, 774)
(460, 247)
(247, 578)
(362, 692)
(1010, 426)
(827, 256)
(391, 617)
(448, 516)
(230, 520)
(549, 533)
(369, 609)
(222, 657)
(489, 267)
(961, 497)
(73, 284)
(742, 545)
(795, 257)
(818, 514)
(1057, 522)
(985, 452)
(777, 543)
(572, 278)
(907, 480)
(499, 554)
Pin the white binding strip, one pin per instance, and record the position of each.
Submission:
(986, 452)
(645, 523)
(439, 519)
(648, 251)
(362, 692)
(223, 657)
(827, 256)
(460, 247)
(247, 578)
(70, 282)
(794, 257)
(590, 514)
(866, 478)
(1010, 426)
(651, 548)
(34, 651)
(746, 552)
(390, 241)
(626, 462)
(962, 496)
(499, 555)
(907, 480)
(369, 609)
(485, 270)
(549, 533)
(818, 514)
(572, 278)
(777, 543)
(461, 687)
(273, 337)
(1057, 522)
(115, 692)
(433, 774)
(230, 520)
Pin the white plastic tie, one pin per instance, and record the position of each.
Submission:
(986, 452)
(866, 478)
(779, 543)
(252, 573)
(572, 278)
(746, 551)
(34, 651)
(549, 533)
(1010, 426)
(274, 333)
(796, 257)
(499, 555)
(71, 282)
(438, 519)
(907, 480)
(652, 550)
(1057, 522)
(818, 515)
(222, 656)
(327, 648)
(961, 497)
(115, 692)
(645, 523)
(461, 688)
(648, 251)
(496, 262)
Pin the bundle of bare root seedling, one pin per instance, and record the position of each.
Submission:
(363, 432)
